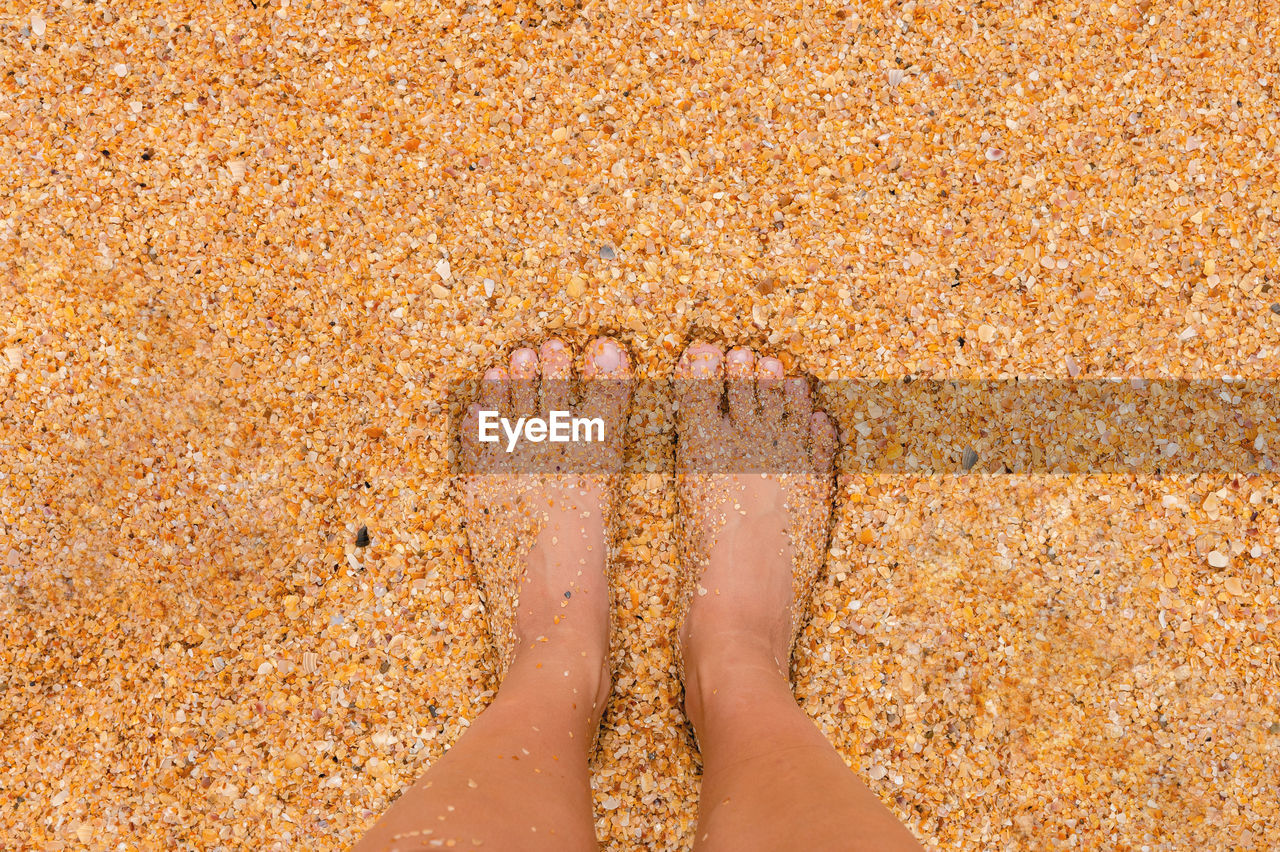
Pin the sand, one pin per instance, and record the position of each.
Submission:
(247, 250)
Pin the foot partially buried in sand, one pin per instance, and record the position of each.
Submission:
(539, 537)
(754, 481)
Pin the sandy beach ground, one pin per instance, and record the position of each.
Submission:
(248, 250)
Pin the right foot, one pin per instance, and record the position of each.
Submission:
(752, 544)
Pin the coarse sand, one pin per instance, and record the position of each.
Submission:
(248, 250)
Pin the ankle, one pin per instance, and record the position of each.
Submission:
(729, 671)
(572, 670)
(713, 653)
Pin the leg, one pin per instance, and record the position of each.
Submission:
(771, 780)
(752, 545)
(518, 779)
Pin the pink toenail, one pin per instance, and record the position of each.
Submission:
(493, 374)
(702, 364)
(554, 345)
(524, 358)
(740, 356)
(772, 366)
(608, 357)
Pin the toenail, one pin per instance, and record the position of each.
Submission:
(702, 365)
(740, 356)
(553, 345)
(608, 356)
(493, 374)
(772, 366)
(524, 358)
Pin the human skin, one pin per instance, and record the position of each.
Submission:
(751, 545)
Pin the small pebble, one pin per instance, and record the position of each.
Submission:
(362, 537)
(1218, 560)
(607, 252)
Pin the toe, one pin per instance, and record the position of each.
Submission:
(769, 372)
(799, 404)
(557, 373)
(607, 390)
(701, 374)
(741, 372)
(823, 440)
(701, 361)
(495, 392)
(524, 381)
(606, 359)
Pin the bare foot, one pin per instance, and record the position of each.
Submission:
(539, 537)
(752, 543)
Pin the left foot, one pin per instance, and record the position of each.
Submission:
(539, 538)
